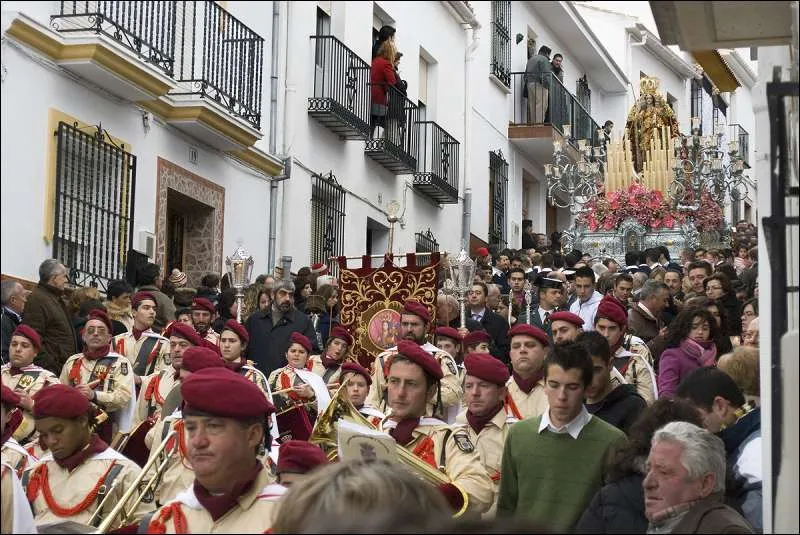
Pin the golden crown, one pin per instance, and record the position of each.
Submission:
(649, 86)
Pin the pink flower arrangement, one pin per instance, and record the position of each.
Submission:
(649, 208)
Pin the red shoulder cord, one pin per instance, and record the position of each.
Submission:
(121, 346)
(174, 511)
(75, 372)
(152, 390)
(424, 450)
(181, 439)
(39, 480)
(513, 406)
(156, 350)
(287, 383)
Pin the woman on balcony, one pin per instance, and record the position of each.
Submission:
(381, 77)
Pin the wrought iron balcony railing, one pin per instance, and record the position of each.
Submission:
(198, 43)
(547, 102)
(437, 163)
(394, 140)
(146, 28)
(743, 138)
(341, 98)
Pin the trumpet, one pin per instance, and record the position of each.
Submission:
(149, 486)
(324, 435)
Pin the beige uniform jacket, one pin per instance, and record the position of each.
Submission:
(330, 376)
(528, 405)
(179, 473)
(489, 443)
(212, 336)
(31, 380)
(462, 462)
(71, 488)
(253, 513)
(639, 372)
(254, 375)
(115, 393)
(152, 393)
(283, 401)
(125, 344)
(450, 385)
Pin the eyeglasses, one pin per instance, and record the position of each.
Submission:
(96, 330)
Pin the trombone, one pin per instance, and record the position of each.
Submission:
(149, 486)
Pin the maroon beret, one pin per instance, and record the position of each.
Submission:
(59, 401)
(30, 333)
(238, 329)
(449, 332)
(211, 346)
(523, 329)
(414, 352)
(201, 303)
(9, 397)
(298, 338)
(198, 358)
(482, 251)
(476, 337)
(300, 457)
(221, 392)
(100, 315)
(418, 309)
(354, 367)
(138, 297)
(486, 367)
(569, 317)
(611, 309)
(341, 333)
(185, 331)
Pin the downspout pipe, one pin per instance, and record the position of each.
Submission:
(466, 215)
(273, 131)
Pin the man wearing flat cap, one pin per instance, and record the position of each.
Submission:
(526, 397)
(485, 417)
(632, 360)
(225, 418)
(413, 381)
(25, 378)
(203, 312)
(73, 478)
(328, 364)
(12, 454)
(179, 472)
(297, 459)
(104, 376)
(551, 296)
(414, 321)
(147, 350)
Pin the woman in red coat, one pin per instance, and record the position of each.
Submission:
(381, 77)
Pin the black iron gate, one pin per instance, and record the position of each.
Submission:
(95, 192)
(426, 242)
(498, 191)
(327, 219)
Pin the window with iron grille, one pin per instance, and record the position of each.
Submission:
(426, 243)
(583, 93)
(95, 188)
(498, 191)
(327, 219)
(501, 41)
(697, 101)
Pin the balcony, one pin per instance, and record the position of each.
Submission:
(394, 142)
(539, 114)
(437, 172)
(743, 138)
(192, 63)
(341, 98)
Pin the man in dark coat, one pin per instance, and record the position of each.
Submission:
(493, 323)
(14, 296)
(270, 329)
(47, 312)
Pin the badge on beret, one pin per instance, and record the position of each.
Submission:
(123, 368)
(464, 443)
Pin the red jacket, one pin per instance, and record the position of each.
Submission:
(381, 75)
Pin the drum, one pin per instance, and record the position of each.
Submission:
(135, 447)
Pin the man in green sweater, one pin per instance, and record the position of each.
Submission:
(554, 463)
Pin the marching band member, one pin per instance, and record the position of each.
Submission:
(179, 472)
(484, 419)
(296, 459)
(25, 378)
(448, 339)
(73, 478)
(307, 389)
(12, 454)
(202, 315)
(328, 364)
(155, 388)
(146, 349)
(413, 378)
(414, 322)
(15, 512)
(526, 397)
(103, 376)
(225, 417)
(358, 381)
(476, 342)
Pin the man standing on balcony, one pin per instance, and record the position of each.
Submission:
(537, 82)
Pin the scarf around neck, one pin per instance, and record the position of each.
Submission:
(98, 353)
(218, 506)
(236, 365)
(328, 362)
(526, 385)
(703, 352)
(95, 445)
(477, 423)
(402, 433)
